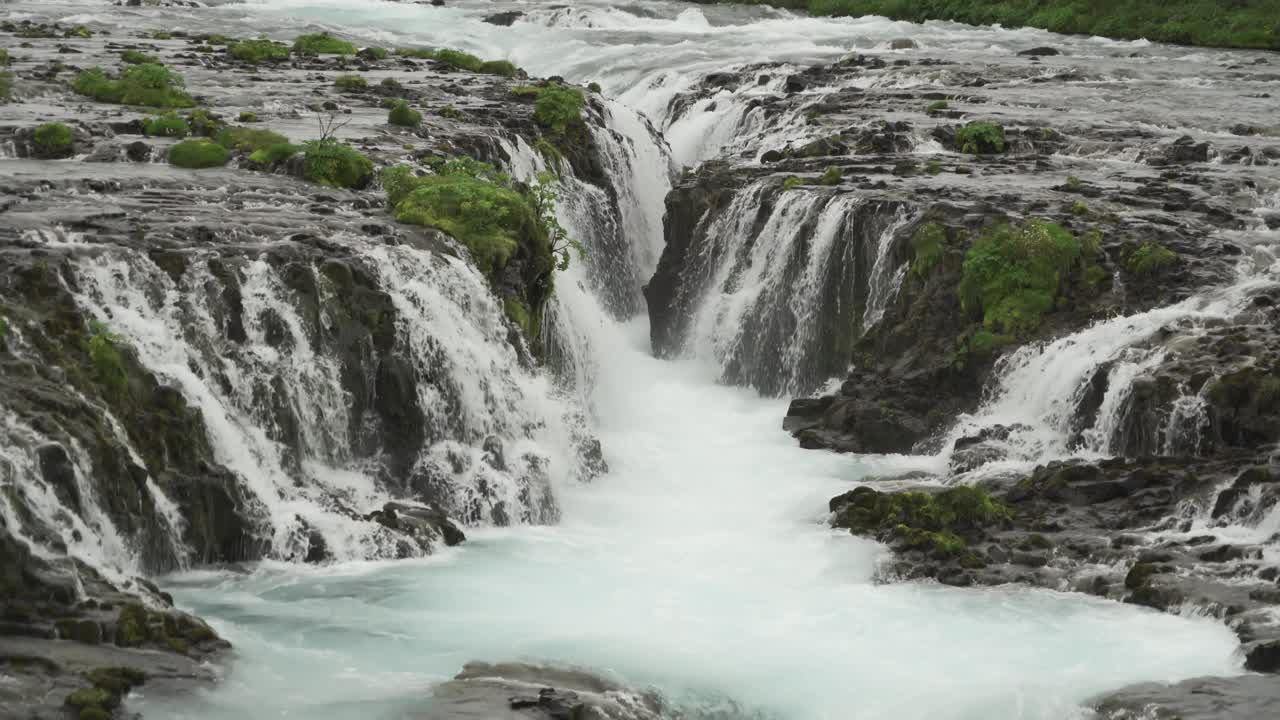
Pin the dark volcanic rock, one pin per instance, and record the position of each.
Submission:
(1248, 697)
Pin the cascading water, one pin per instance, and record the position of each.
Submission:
(700, 563)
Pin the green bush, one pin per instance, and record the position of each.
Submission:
(1012, 275)
(259, 51)
(53, 138)
(351, 82)
(558, 107)
(980, 138)
(248, 117)
(169, 124)
(376, 53)
(1150, 259)
(595, 88)
(204, 123)
(927, 242)
(329, 162)
(103, 348)
(147, 84)
(404, 116)
(832, 176)
(274, 154)
(137, 57)
(250, 140)
(322, 44)
(791, 183)
(198, 154)
(458, 59)
(936, 107)
(398, 181)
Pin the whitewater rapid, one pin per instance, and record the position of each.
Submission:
(701, 564)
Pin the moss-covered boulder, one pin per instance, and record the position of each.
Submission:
(53, 141)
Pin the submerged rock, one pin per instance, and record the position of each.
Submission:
(512, 691)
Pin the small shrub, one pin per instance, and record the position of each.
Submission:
(453, 113)
(161, 35)
(250, 140)
(329, 162)
(322, 44)
(936, 106)
(404, 116)
(595, 88)
(927, 242)
(1079, 208)
(351, 82)
(103, 348)
(53, 139)
(274, 154)
(204, 123)
(832, 176)
(486, 217)
(259, 51)
(216, 39)
(933, 167)
(558, 107)
(390, 83)
(791, 183)
(980, 138)
(137, 57)
(169, 124)
(147, 84)
(198, 155)
(1150, 259)
(248, 117)
(398, 181)
(458, 59)
(1073, 182)
(376, 53)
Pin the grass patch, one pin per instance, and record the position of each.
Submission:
(259, 51)
(557, 107)
(198, 155)
(250, 140)
(274, 154)
(936, 106)
(350, 82)
(137, 57)
(832, 176)
(147, 85)
(53, 138)
(791, 183)
(322, 44)
(104, 352)
(928, 244)
(1150, 259)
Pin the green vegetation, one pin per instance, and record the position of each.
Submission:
(791, 183)
(390, 82)
(936, 106)
(1241, 23)
(558, 107)
(404, 116)
(980, 138)
(460, 60)
(4, 57)
(88, 697)
(453, 113)
(928, 244)
(376, 53)
(331, 163)
(1073, 182)
(6, 85)
(595, 87)
(103, 348)
(932, 523)
(1150, 259)
(248, 117)
(1079, 208)
(137, 57)
(169, 124)
(198, 154)
(322, 44)
(832, 176)
(274, 154)
(351, 82)
(148, 84)
(1012, 275)
(502, 68)
(53, 138)
(250, 140)
(933, 167)
(204, 123)
(259, 51)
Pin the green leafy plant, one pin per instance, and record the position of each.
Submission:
(928, 244)
(274, 154)
(1150, 259)
(558, 107)
(329, 162)
(595, 87)
(53, 138)
(543, 195)
(791, 183)
(137, 57)
(104, 352)
(1012, 274)
(502, 68)
(248, 117)
(198, 154)
(832, 176)
(1074, 183)
(250, 140)
(936, 106)
(980, 138)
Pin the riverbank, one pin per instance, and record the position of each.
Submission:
(1253, 24)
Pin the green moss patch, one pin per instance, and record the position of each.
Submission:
(934, 523)
(250, 140)
(404, 116)
(274, 154)
(488, 217)
(1150, 259)
(169, 124)
(53, 139)
(137, 57)
(350, 82)
(558, 107)
(927, 243)
(147, 85)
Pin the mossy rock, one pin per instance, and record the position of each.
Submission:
(53, 141)
(322, 44)
(148, 84)
(259, 51)
(91, 697)
(198, 155)
(329, 162)
(980, 138)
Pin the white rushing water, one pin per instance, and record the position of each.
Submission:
(701, 564)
